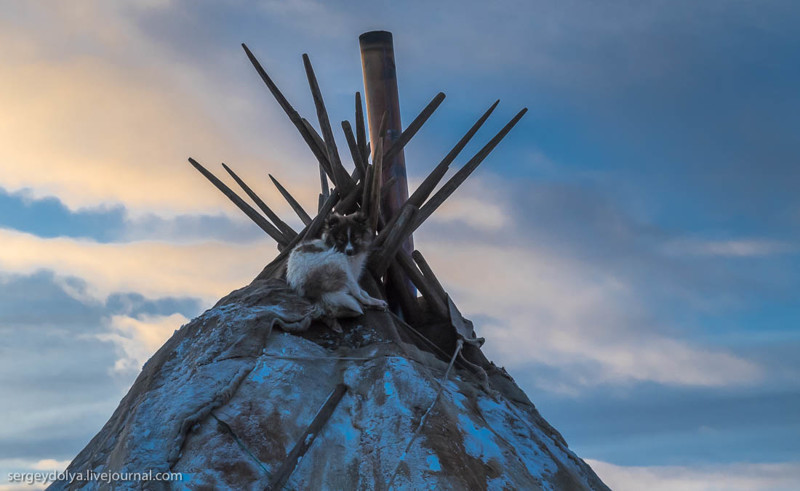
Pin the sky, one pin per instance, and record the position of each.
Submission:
(633, 246)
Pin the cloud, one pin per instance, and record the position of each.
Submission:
(730, 248)
(49, 217)
(41, 467)
(44, 465)
(91, 133)
(564, 279)
(138, 339)
(81, 125)
(51, 465)
(58, 358)
(53, 370)
(722, 477)
(207, 270)
(540, 307)
(192, 228)
(550, 309)
(313, 18)
(24, 487)
(474, 212)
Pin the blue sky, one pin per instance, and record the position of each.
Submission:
(634, 244)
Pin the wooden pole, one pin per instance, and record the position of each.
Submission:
(450, 186)
(427, 186)
(323, 173)
(373, 209)
(306, 219)
(361, 132)
(288, 232)
(355, 152)
(318, 151)
(424, 284)
(382, 257)
(340, 176)
(412, 129)
(381, 95)
(428, 273)
(310, 232)
(248, 210)
(306, 439)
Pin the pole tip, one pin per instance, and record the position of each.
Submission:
(375, 37)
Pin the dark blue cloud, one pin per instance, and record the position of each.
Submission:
(657, 425)
(56, 374)
(39, 301)
(44, 328)
(192, 227)
(136, 305)
(48, 217)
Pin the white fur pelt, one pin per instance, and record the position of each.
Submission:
(329, 279)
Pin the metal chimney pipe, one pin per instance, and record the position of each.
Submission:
(380, 91)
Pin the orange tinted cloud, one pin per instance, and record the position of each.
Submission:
(96, 113)
(206, 270)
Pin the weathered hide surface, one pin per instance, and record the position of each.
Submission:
(228, 396)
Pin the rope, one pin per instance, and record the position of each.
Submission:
(424, 418)
(481, 376)
(484, 377)
(331, 358)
